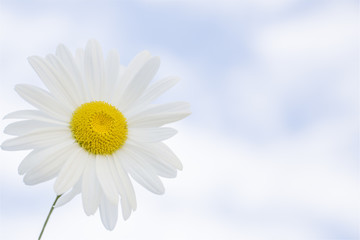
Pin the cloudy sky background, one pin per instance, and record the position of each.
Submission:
(271, 149)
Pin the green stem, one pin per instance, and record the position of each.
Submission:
(47, 219)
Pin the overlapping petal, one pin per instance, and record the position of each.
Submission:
(48, 166)
(71, 171)
(90, 187)
(151, 134)
(39, 139)
(108, 213)
(157, 116)
(141, 173)
(94, 69)
(45, 102)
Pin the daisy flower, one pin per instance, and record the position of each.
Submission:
(95, 127)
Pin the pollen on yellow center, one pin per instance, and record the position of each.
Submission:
(99, 127)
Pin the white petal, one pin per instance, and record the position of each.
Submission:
(125, 180)
(67, 197)
(71, 171)
(156, 120)
(139, 83)
(95, 70)
(28, 126)
(123, 190)
(160, 166)
(145, 177)
(159, 115)
(161, 152)
(42, 175)
(168, 107)
(54, 80)
(31, 160)
(33, 115)
(108, 213)
(114, 175)
(175, 107)
(90, 187)
(63, 53)
(112, 70)
(84, 85)
(158, 88)
(126, 208)
(68, 82)
(150, 134)
(79, 59)
(39, 156)
(38, 139)
(43, 101)
(162, 169)
(48, 167)
(135, 65)
(106, 180)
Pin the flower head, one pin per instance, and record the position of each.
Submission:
(95, 126)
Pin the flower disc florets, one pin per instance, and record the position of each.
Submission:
(99, 127)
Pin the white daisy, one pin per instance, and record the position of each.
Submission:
(95, 126)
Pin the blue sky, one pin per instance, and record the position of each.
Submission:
(271, 149)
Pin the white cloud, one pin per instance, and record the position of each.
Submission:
(320, 35)
(225, 7)
(303, 71)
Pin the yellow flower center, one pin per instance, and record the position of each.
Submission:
(99, 127)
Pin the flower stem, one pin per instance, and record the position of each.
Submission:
(47, 219)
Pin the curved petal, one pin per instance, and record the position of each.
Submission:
(123, 190)
(126, 208)
(63, 53)
(157, 116)
(57, 83)
(34, 115)
(150, 134)
(144, 176)
(159, 151)
(164, 108)
(80, 62)
(44, 101)
(139, 83)
(33, 178)
(133, 68)
(112, 71)
(125, 180)
(65, 198)
(28, 126)
(33, 159)
(71, 171)
(94, 69)
(37, 139)
(40, 156)
(68, 81)
(157, 89)
(108, 213)
(79, 59)
(106, 180)
(160, 166)
(48, 167)
(151, 94)
(90, 187)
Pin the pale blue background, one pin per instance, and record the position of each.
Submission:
(271, 150)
